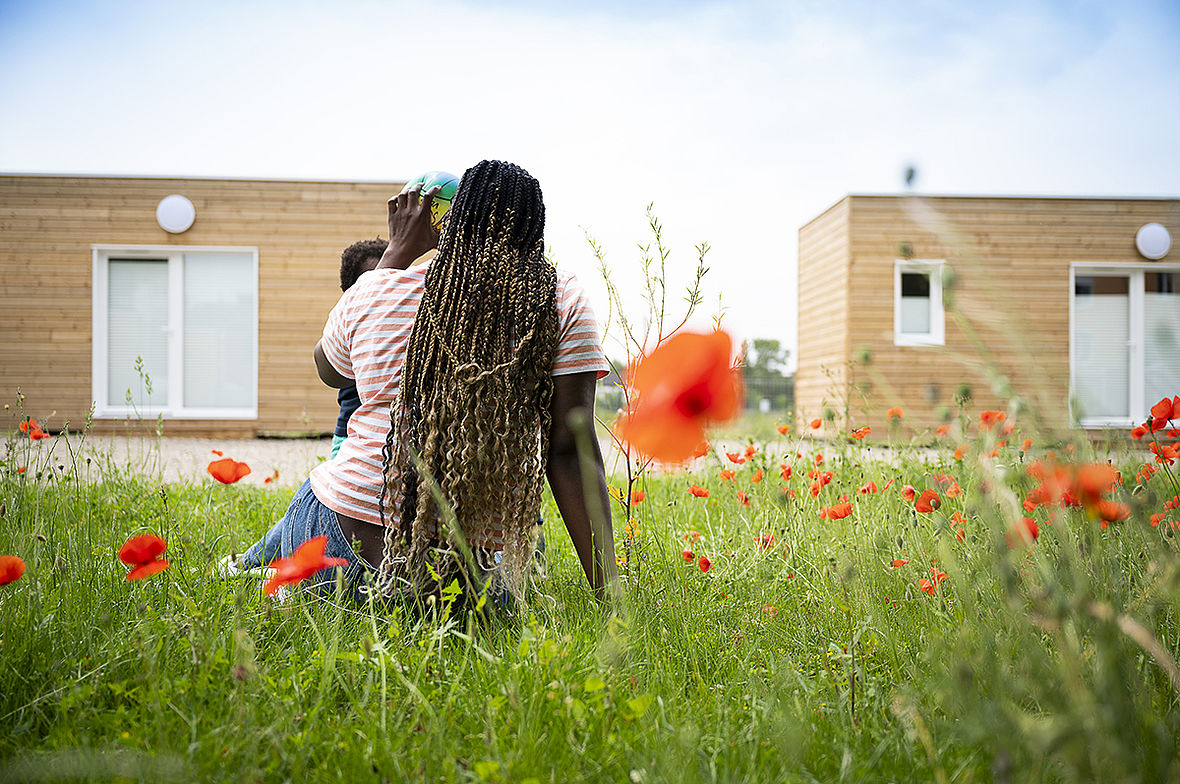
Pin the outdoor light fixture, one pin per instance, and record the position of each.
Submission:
(176, 213)
(1153, 241)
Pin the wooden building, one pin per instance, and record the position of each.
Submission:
(1064, 308)
(222, 308)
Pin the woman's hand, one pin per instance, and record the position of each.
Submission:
(410, 231)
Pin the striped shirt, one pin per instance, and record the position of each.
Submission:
(365, 339)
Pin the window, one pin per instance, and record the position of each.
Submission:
(1124, 341)
(175, 332)
(917, 303)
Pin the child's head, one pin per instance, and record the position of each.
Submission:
(358, 258)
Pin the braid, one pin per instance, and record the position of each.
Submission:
(473, 400)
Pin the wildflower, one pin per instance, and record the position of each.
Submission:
(615, 493)
(1139, 432)
(819, 458)
(692, 536)
(11, 568)
(908, 492)
(637, 496)
(271, 478)
(142, 553)
(1027, 445)
(704, 563)
(28, 425)
(927, 502)
(936, 580)
(701, 449)
(815, 424)
(1093, 482)
(989, 419)
(1022, 533)
(943, 479)
(943, 430)
(765, 541)
(688, 555)
(727, 475)
(1112, 511)
(757, 477)
(750, 451)
(743, 499)
(868, 487)
(861, 432)
(1164, 410)
(770, 610)
(307, 559)
(217, 452)
(836, 511)
(784, 429)
(227, 470)
(784, 471)
(954, 491)
(37, 434)
(699, 492)
(681, 387)
(1007, 429)
(958, 519)
(1165, 453)
(888, 484)
(894, 413)
(735, 457)
(22, 469)
(899, 562)
(1156, 519)
(960, 451)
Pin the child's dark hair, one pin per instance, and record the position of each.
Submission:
(354, 256)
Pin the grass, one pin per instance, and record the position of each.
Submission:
(812, 659)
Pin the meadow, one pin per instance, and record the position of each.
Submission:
(839, 629)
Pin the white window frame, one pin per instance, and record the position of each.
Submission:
(174, 407)
(937, 334)
(1135, 343)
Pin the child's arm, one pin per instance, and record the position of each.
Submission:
(410, 231)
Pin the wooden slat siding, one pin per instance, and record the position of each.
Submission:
(47, 227)
(1012, 285)
(823, 312)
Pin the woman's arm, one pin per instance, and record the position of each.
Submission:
(581, 495)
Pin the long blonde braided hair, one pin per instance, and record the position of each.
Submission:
(472, 413)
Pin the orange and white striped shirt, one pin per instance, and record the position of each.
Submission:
(365, 339)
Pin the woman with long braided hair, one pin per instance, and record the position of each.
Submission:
(468, 368)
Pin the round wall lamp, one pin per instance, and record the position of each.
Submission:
(176, 213)
(1153, 241)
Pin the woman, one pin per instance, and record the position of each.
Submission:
(468, 369)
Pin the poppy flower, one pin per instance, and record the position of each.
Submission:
(757, 477)
(908, 492)
(38, 434)
(681, 387)
(1094, 481)
(11, 568)
(227, 470)
(271, 478)
(22, 469)
(307, 559)
(784, 429)
(819, 458)
(784, 471)
(989, 419)
(927, 502)
(735, 457)
(688, 555)
(868, 487)
(770, 610)
(750, 451)
(1165, 453)
(1027, 445)
(692, 536)
(1164, 410)
(899, 562)
(936, 580)
(814, 489)
(960, 451)
(704, 563)
(727, 475)
(217, 452)
(888, 485)
(701, 449)
(637, 496)
(958, 519)
(836, 511)
(1024, 532)
(699, 492)
(954, 491)
(861, 432)
(1112, 511)
(765, 541)
(743, 499)
(815, 424)
(943, 430)
(1139, 432)
(894, 413)
(28, 425)
(142, 553)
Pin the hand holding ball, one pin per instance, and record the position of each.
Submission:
(448, 183)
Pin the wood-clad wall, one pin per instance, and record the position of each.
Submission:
(47, 227)
(824, 316)
(1011, 260)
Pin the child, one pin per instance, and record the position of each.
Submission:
(357, 259)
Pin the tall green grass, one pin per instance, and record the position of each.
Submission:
(812, 659)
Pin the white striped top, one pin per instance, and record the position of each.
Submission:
(365, 339)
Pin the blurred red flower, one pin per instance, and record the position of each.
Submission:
(770, 610)
(681, 387)
(927, 502)
(765, 541)
(989, 419)
(688, 555)
(271, 478)
(11, 568)
(735, 457)
(217, 452)
(699, 492)
(704, 563)
(1024, 532)
(836, 511)
(908, 492)
(757, 477)
(894, 413)
(960, 451)
(1112, 511)
(943, 430)
(936, 580)
(750, 451)
(28, 425)
(743, 499)
(142, 553)
(815, 424)
(1164, 410)
(898, 562)
(861, 432)
(227, 470)
(784, 429)
(868, 487)
(637, 496)
(307, 559)
(727, 474)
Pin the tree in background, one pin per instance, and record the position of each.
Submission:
(767, 378)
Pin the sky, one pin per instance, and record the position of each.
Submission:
(739, 121)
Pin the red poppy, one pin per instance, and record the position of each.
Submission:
(1139, 432)
(868, 487)
(699, 492)
(11, 568)
(770, 610)
(272, 477)
(704, 563)
(757, 477)
(936, 580)
(819, 458)
(1024, 532)
(894, 413)
(227, 470)
(814, 488)
(22, 469)
(899, 562)
(943, 430)
(836, 511)
(765, 541)
(1112, 511)
(1164, 410)
(307, 559)
(750, 451)
(958, 518)
(743, 498)
(888, 484)
(927, 502)
(861, 432)
(1027, 445)
(681, 387)
(784, 429)
(37, 434)
(989, 419)
(688, 555)
(1165, 453)
(636, 497)
(692, 536)
(701, 449)
(1094, 481)
(28, 425)
(784, 471)
(217, 452)
(954, 491)
(960, 451)
(735, 457)
(908, 492)
(142, 553)
(815, 424)
(727, 475)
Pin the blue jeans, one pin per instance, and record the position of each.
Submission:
(307, 518)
